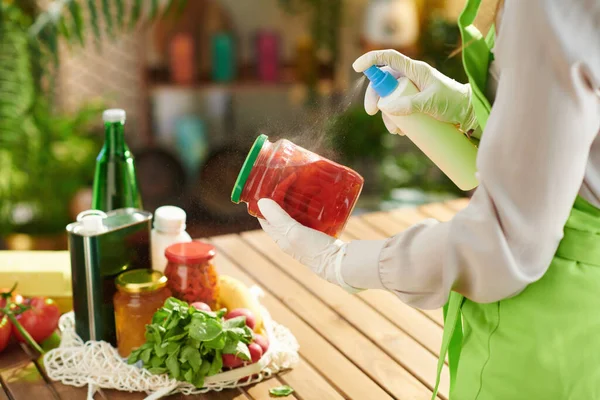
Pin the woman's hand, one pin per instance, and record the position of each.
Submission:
(316, 250)
(440, 96)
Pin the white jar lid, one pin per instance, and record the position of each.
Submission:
(114, 115)
(169, 219)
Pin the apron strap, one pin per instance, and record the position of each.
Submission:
(476, 56)
(451, 340)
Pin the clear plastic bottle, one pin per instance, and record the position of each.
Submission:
(315, 191)
(443, 143)
(169, 228)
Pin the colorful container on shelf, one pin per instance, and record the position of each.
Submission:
(267, 56)
(223, 57)
(315, 191)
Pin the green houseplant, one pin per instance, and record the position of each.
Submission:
(46, 156)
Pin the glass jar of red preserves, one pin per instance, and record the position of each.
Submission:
(191, 274)
(313, 190)
(140, 293)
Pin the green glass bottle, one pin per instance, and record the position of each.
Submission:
(115, 182)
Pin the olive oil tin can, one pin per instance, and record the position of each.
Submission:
(102, 246)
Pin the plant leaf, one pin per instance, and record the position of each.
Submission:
(136, 12)
(192, 356)
(157, 370)
(281, 391)
(189, 375)
(216, 365)
(160, 349)
(242, 351)
(204, 330)
(145, 356)
(237, 322)
(107, 17)
(217, 343)
(173, 366)
(94, 19)
(120, 12)
(153, 9)
(157, 361)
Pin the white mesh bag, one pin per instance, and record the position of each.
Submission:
(99, 365)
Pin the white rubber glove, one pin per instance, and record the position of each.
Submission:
(440, 96)
(316, 250)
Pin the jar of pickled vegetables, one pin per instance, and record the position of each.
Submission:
(191, 273)
(140, 293)
(313, 190)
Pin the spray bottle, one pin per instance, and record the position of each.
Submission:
(442, 142)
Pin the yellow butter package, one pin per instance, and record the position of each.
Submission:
(38, 273)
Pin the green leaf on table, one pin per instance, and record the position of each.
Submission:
(157, 370)
(157, 361)
(281, 391)
(216, 365)
(173, 366)
(217, 343)
(204, 330)
(237, 322)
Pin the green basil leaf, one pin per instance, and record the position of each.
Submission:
(189, 376)
(191, 355)
(175, 337)
(162, 316)
(242, 351)
(217, 343)
(173, 349)
(216, 365)
(145, 356)
(173, 304)
(204, 368)
(281, 391)
(231, 342)
(160, 349)
(198, 380)
(157, 361)
(204, 330)
(237, 333)
(194, 343)
(221, 313)
(172, 323)
(237, 322)
(157, 370)
(173, 366)
(133, 357)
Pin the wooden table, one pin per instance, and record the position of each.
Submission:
(369, 346)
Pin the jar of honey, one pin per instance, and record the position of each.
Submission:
(313, 190)
(140, 293)
(191, 273)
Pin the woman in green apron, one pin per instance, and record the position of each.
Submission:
(518, 270)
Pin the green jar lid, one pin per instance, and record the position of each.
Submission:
(240, 182)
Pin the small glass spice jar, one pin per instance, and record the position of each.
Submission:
(192, 276)
(140, 293)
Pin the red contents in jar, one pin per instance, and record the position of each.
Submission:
(316, 192)
(191, 275)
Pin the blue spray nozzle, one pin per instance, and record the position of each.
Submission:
(383, 82)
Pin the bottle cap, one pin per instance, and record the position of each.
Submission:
(195, 252)
(140, 281)
(114, 115)
(169, 219)
(240, 182)
(92, 222)
(382, 82)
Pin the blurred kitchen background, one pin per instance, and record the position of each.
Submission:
(198, 86)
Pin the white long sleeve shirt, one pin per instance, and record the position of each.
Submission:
(540, 149)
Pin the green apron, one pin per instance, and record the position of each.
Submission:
(545, 342)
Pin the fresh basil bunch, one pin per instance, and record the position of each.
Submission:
(188, 343)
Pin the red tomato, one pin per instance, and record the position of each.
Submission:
(40, 321)
(5, 329)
